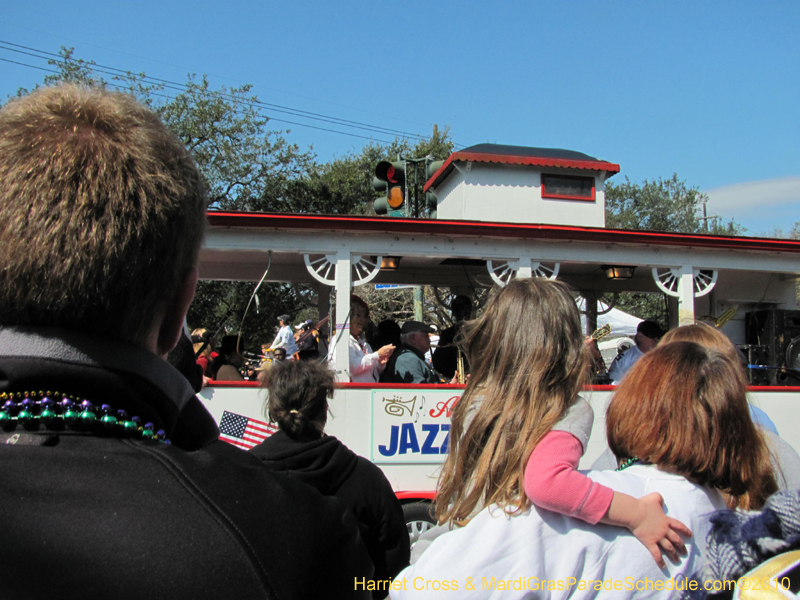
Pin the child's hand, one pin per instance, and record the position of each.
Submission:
(656, 530)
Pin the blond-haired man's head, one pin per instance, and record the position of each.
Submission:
(102, 213)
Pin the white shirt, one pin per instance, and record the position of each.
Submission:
(365, 365)
(503, 556)
(285, 339)
(623, 362)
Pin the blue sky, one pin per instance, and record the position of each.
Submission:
(709, 90)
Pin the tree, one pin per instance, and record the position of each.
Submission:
(247, 166)
(655, 205)
(222, 304)
(344, 185)
(662, 205)
(240, 159)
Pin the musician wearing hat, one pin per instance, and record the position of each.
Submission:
(407, 364)
(648, 334)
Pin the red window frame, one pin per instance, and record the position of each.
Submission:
(567, 196)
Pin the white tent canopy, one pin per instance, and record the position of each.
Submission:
(622, 324)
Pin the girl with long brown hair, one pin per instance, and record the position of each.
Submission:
(520, 428)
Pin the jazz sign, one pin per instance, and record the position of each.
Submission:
(411, 426)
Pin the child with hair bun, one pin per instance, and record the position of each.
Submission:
(298, 393)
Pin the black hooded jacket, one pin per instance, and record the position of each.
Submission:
(332, 468)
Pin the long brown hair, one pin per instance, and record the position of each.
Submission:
(684, 408)
(528, 362)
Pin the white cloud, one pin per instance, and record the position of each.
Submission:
(754, 195)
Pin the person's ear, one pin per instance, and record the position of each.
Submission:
(175, 313)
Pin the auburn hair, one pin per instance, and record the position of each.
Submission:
(684, 408)
(527, 362)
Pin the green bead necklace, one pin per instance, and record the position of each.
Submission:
(627, 463)
(32, 409)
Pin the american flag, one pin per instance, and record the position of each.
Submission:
(242, 431)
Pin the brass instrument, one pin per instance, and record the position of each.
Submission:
(719, 321)
(602, 332)
(460, 368)
(726, 316)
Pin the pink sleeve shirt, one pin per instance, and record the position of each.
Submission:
(552, 481)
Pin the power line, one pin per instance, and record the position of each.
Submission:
(260, 105)
(168, 97)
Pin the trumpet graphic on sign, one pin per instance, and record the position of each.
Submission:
(397, 406)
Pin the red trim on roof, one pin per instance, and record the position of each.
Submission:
(536, 161)
(443, 227)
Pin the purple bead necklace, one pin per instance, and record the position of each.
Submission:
(55, 410)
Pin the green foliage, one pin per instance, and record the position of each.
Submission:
(241, 160)
(344, 185)
(663, 205)
(70, 70)
(223, 304)
(398, 304)
(246, 166)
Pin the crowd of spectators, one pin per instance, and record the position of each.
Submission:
(115, 483)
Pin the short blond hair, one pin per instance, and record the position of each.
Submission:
(102, 212)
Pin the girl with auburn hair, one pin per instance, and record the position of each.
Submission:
(711, 337)
(686, 411)
(520, 428)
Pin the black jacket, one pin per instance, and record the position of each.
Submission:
(88, 515)
(445, 357)
(407, 365)
(332, 468)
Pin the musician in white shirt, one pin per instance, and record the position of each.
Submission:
(365, 365)
(648, 334)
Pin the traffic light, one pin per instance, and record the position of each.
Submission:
(381, 205)
(391, 177)
(431, 202)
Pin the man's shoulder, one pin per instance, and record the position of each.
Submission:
(409, 360)
(407, 354)
(218, 497)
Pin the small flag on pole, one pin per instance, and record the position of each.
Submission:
(242, 431)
